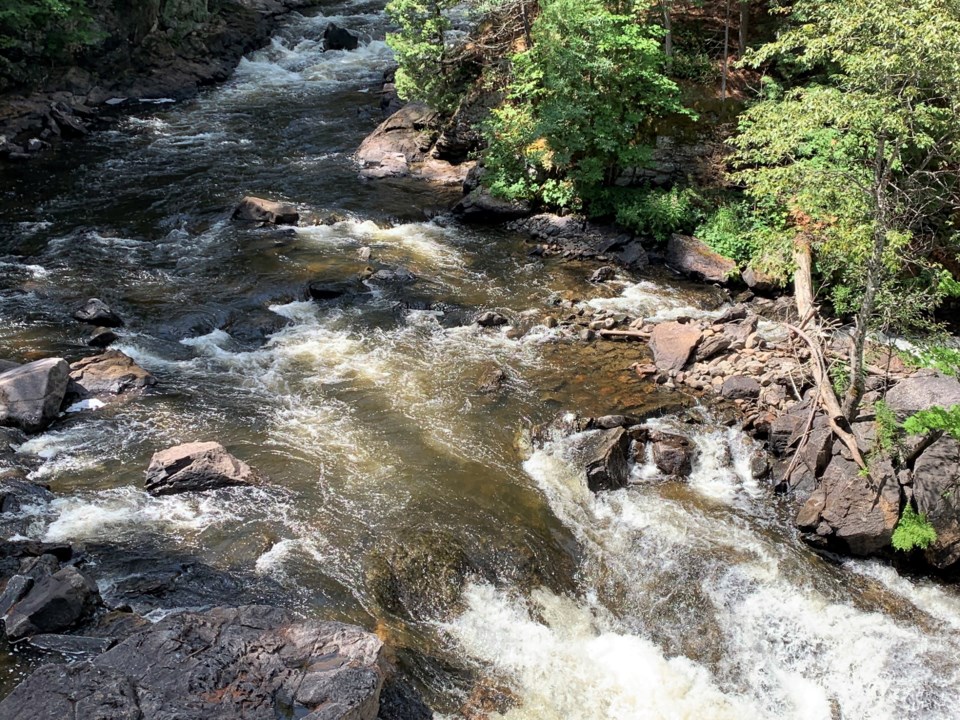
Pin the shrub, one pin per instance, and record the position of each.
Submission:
(913, 531)
(935, 419)
(729, 230)
(887, 426)
(658, 213)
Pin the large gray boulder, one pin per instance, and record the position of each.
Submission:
(55, 602)
(921, 392)
(31, 395)
(694, 258)
(196, 466)
(673, 344)
(96, 312)
(936, 490)
(401, 140)
(109, 373)
(246, 663)
(271, 212)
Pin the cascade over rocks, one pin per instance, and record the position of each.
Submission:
(246, 663)
(196, 466)
(109, 373)
(31, 394)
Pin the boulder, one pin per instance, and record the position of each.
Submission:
(851, 511)
(489, 318)
(254, 209)
(16, 492)
(921, 392)
(8, 365)
(402, 139)
(96, 312)
(17, 587)
(740, 387)
(759, 281)
(31, 395)
(712, 346)
(936, 490)
(694, 258)
(422, 578)
(102, 337)
(196, 466)
(673, 344)
(109, 373)
(602, 274)
(324, 290)
(607, 467)
(55, 602)
(672, 453)
(479, 206)
(246, 663)
(338, 38)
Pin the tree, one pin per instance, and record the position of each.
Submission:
(579, 101)
(865, 159)
(422, 52)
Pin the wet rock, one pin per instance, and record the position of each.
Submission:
(246, 663)
(491, 380)
(395, 276)
(936, 491)
(673, 344)
(16, 492)
(8, 365)
(607, 467)
(102, 337)
(422, 578)
(479, 206)
(740, 387)
(490, 319)
(31, 395)
(400, 701)
(40, 566)
(672, 453)
(324, 290)
(196, 466)
(609, 422)
(109, 373)
(254, 209)
(338, 38)
(601, 275)
(96, 312)
(72, 644)
(402, 139)
(54, 603)
(693, 257)
(17, 587)
(855, 512)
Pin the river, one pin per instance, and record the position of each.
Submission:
(663, 600)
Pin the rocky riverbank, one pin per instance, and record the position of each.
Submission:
(148, 54)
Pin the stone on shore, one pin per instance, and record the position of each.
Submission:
(246, 663)
(31, 395)
(673, 344)
(109, 373)
(254, 209)
(196, 466)
(97, 312)
(693, 257)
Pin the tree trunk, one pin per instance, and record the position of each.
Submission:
(744, 27)
(668, 27)
(726, 52)
(803, 278)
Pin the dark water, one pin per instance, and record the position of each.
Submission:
(660, 601)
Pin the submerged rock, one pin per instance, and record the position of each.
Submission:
(196, 466)
(489, 318)
(31, 395)
(254, 209)
(246, 663)
(102, 337)
(334, 289)
(109, 373)
(693, 257)
(55, 602)
(97, 312)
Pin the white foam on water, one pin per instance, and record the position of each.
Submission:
(650, 300)
(926, 595)
(88, 404)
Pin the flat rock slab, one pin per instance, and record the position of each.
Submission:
(673, 344)
(246, 663)
(196, 466)
(109, 373)
(254, 209)
(31, 395)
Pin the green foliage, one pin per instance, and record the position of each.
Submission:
(422, 52)
(658, 213)
(35, 33)
(579, 103)
(935, 419)
(731, 230)
(886, 425)
(839, 374)
(940, 358)
(913, 531)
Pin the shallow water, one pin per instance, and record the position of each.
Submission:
(664, 600)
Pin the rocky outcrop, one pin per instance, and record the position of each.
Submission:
(480, 206)
(935, 487)
(246, 663)
(96, 312)
(53, 603)
(109, 373)
(31, 395)
(673, 344)
(576, 237)
(269, 212)
(196, 466)
(692, 257)
(923, 391)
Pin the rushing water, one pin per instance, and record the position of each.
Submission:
(664, 600)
